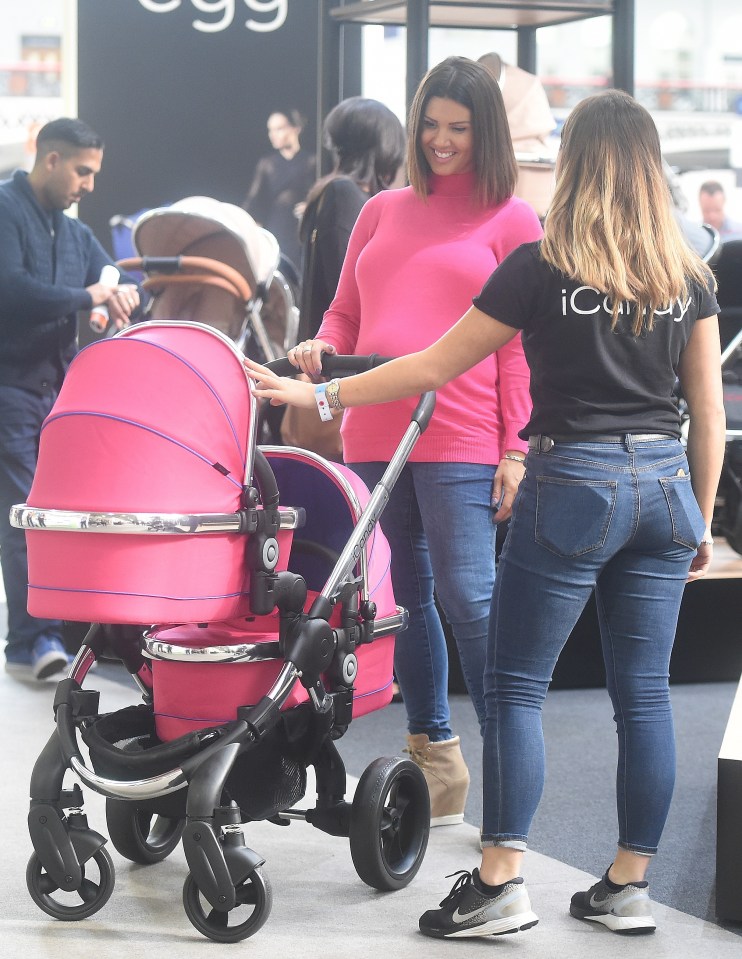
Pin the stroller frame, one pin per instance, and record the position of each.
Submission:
(184, 785)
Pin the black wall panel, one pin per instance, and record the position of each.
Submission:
(181, 95)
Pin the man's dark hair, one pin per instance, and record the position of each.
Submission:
(67, 132)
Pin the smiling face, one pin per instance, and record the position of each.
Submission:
(447, 137)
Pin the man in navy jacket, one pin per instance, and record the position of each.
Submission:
(50, 267)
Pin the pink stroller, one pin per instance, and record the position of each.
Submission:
(247, 591)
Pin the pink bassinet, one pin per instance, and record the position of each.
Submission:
(202, 674)
(133, 516)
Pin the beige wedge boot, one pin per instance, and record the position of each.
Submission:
(446, 775)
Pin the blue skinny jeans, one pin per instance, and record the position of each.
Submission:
(620, 519)
(442, 537)
(21, 416)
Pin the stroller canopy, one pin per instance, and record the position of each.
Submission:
(152, 420)
(203, 226)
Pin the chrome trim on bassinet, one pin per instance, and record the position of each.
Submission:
(168, 524)
(154, 648)
(240, 653)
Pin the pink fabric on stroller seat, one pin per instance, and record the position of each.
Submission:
(155, 421)
(193, 695)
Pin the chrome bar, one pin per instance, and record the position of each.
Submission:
(353, 549)
(284, 683)
(389, 625)
(151, 788)
(240, 653)
(154, 648)
(159, 524)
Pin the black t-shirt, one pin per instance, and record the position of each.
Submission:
(585, 377)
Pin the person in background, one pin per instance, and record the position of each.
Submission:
(50, 265)
(712, 200)
(612, 305)
(281, 182)
(531, 124)
(367, 144)
(415, 258)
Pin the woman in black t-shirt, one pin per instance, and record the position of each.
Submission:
(613, 305)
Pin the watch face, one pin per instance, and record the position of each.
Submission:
(332, 393)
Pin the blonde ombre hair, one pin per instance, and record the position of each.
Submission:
(610, 224)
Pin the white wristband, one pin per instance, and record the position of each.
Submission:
(320, 398)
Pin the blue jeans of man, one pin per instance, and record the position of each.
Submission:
(21, 416)
(620, 519)
(440, 528)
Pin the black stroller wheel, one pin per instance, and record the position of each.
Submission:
(139, 835)
(93, 893)
(390, 823)
(254, 901)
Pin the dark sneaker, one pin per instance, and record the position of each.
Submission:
(467, 912)
(628, 911)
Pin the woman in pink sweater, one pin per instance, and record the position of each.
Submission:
(423, 252)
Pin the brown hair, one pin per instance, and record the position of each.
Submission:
(473, 86)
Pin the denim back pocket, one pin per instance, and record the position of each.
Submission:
(688, 524)
(573, 516)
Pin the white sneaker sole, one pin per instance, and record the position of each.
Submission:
(452, 820)
(625, 924)
(497, 927)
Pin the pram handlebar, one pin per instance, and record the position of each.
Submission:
(347, 365)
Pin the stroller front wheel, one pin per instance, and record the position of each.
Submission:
(254, 901)
(390, 823)
(139, 835)
(93, 893)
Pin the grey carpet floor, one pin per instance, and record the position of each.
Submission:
(320, 906)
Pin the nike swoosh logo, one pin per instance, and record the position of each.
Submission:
(595, 903)
(463, 917)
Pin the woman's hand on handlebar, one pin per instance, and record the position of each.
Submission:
(307, 356)
(279, 389)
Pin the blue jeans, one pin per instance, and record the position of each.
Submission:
(442, 537)
(21, 416)
(620, 519)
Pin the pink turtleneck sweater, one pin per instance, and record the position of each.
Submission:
(411, 270)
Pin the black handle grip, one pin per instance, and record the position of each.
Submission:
(334, 364)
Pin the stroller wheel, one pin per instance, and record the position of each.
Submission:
(254, 901)
(139, 835)
(390, 823)
(94, 892)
